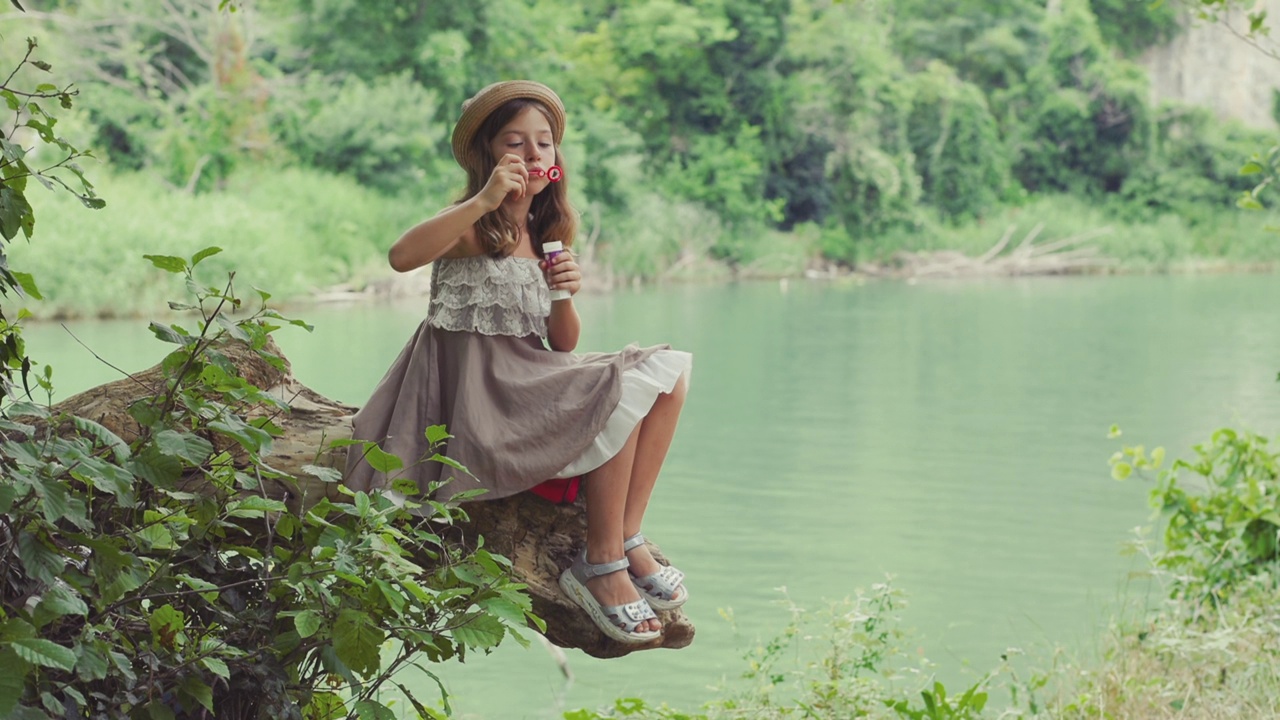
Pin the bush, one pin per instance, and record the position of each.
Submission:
(1225, 533)
(960, 157)
(381, 133)
(156, 576)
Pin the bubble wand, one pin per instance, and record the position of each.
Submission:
(554, 173)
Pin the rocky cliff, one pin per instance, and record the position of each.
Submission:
(1209, 65)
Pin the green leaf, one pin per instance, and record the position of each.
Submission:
(45, 653)
(13, 673)
(325, 706)
(480, 632)
(327, 474)
(104, 436)
(195, 259)
(192, 448)
(158, 710)
(450, 462)
(193, 688)
(28, 284)
(168, 263)
(255, 506)
(504, 610)
(41, 562)
(372, 710)
(437, 433)
(156, 468)
(58, 600)
(18, 5)
(1157, 458)
(308, 623)
(1251, 168)
(14, 212)
(1248, 202)
(1121, 470)
(382, 461)
(168, 334)
(209, 591)
(156, 537)
(357, 641)
(216, 666)
(91, 662)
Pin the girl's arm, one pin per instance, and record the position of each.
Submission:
(564, 326)
(432, 238)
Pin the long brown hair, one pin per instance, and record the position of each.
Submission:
(553, 218)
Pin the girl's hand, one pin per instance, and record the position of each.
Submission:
(564, 273)
(509, 177)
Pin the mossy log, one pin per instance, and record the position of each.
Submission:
(538, 537)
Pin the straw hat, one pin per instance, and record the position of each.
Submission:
(478, 108)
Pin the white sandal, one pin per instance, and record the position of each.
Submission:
(617, 621)
(660, 588)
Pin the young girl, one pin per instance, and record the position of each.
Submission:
(518, 412)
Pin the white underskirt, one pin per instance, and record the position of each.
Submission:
(641, 386)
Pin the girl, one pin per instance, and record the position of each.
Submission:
(518, 412)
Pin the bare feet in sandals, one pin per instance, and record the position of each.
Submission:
(616, 589)
(660, 585)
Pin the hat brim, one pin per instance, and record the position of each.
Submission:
(476, 110)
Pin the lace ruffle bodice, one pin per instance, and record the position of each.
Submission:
(488, 295)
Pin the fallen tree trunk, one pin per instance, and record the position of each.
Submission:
(539, 537)
(1049, 258)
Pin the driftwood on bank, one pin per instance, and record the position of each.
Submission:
(538, 537)
(1059, 257)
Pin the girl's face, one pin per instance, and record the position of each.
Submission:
(528, 136)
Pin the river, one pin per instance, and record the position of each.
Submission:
(950, 434)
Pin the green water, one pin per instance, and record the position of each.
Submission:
(951, 434)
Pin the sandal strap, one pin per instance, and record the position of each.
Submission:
(633, 542)
(629, 615)
(585, 570)
(662, 584)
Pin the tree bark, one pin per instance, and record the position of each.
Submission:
(539, 537)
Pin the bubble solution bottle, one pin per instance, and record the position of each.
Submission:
(549, 252)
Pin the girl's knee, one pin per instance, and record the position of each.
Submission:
(679, 392)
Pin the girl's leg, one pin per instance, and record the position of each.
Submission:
(607, 492)
(656, 431)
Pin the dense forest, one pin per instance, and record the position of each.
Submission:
(729, 132)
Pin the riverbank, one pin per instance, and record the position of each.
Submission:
(308, 237)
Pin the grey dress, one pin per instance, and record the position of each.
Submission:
(518, 412)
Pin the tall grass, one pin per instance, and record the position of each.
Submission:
(290, 231)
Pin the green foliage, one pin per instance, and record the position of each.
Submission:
(1222, 525)
(960, 157)
(872, 121)
(158, 575)
(379, 132)
(1196, 171)
(1135, 25)
(19, 164)
(302, 229)
(1085, 121)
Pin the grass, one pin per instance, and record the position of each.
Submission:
(288, 231)
(1184, 665)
